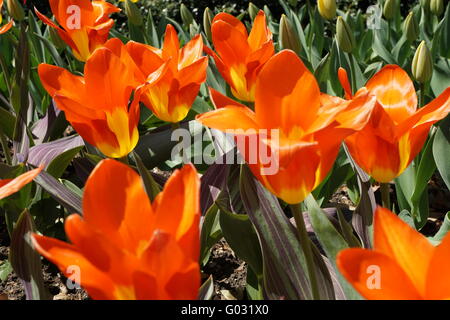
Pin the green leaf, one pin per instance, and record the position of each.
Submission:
(441, 150)
(443, 230)
(25, 261)
(331, 240)
(5, 270)
(151, 187)
(7, 122)
(57, 167)
(206, 291)
(210, 233)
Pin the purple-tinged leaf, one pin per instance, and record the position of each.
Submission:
(67, 198)
(283, 258)
(206, 291)
(212, 182)
(25, 261)
(83, 168)
(43, 128)
(45, 153)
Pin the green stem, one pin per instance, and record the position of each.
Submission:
(5, 147)
(352, 73)
(306, 244)
(6, 73)
(385, 198)
(422, 95)
(124, 160)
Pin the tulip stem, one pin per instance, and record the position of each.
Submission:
(306, 244)
(422, 95)
(124, 160)
(385, 197)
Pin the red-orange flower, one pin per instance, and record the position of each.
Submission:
(397, 130)
(97, 105)
(171, 97)
(124, 246)
(240, 56)
(7, 26)
(11, 186)
(403, 265)
(288, 101)
(85, 24)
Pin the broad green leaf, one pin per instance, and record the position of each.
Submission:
(57, 167)
(441, 150)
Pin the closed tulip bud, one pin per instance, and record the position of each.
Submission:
(411, 27)
(425, 4)
(186, 15)
(208, 17)
(422, 65)
(389, 9)
(293, 2)
(344, 36)
(288, 36)
(437, 7)
(267, 12)
(327, 9)
(252, 10)
(15, 10)
(133, 13)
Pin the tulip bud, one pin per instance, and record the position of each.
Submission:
(437, 7)
(288, 36)
(425, 4)
(327, 9)
(252, 10)
(15, 10)
(411, 27)
(389, 9)
(186, 15)
(208, 17)
(56, 39)
(133, 13)
(344, 35)
(293, 3)
(422, 65)
(267, 12)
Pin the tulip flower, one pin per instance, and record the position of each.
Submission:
(240, 56)
(7, 26)
(171, 97)
(84, 24)
(403, 264)
(289, 102)
(127, 248)
(97, 105)
(11, 186)
(397, 130)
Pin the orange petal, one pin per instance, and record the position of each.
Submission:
(395, 91)
(343, 79)
(191, 52)
(67, 258)
(233, 21)
(220, 100)
(286, 97)
(144, 57)
(178, 209)
(375, 275)
(193, 73)
(229, 119)
(6, 27)
(116, 204)
(171, 45)
(260, 33)
(411, 250)
(12, 186)
(438, 277)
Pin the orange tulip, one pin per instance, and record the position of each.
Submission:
(403, 265)
(7, 26)
(97, 105)
(124, 246)
(288, 100)
(241, 56)
(84, 24)
(171, 97)
(11, 186)
(397, 130)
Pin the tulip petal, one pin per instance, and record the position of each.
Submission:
(6, 27)
(260, 34)
(438, 277)
(11, 186)
(123, 213)
(231, 20)
(286, 97)
(343, 79)
(411, 250)
(375, 275)
(191, 52)
(144, 57)
(231, 118)
(395, 91)
(220, 100)
(177, 210)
